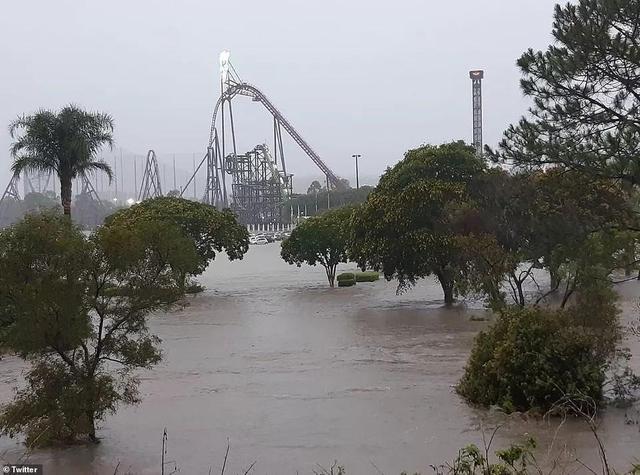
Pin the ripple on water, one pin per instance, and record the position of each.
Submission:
(295, 373)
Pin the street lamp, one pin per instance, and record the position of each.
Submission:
(357, 156)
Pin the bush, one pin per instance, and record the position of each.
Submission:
(346, 276)
(346, 282)
(368, 276)
(531, 358)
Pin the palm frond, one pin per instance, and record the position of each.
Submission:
(99, 165)
(31, 163)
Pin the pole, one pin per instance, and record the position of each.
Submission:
(193, 158)
(328, 193)
(121, 171)
(135, 175)
(175, 187)
(357, 156)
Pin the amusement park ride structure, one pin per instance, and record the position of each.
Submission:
(259, 179)
(259, 183)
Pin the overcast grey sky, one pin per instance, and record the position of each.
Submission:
(353, 76)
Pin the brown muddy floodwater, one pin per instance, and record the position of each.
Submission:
(295, 374)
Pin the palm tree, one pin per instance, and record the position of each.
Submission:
(65, 143)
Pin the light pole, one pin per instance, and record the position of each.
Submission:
(357, 156)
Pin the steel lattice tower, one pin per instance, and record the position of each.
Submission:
(10, 196)
(150, 187)
(476, 95)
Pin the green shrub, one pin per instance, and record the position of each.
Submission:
(346, 282)
(368, 276)
(531, 358)
(346, 276)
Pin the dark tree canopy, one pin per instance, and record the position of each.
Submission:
(585, 89)
(320, 240)
(213, 231)
(76, 308)
(407, 226)
(544, 219)
(65, 143)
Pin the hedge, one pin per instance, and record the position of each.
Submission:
(368, 276)
(346, 276)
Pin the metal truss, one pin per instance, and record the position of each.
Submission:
(150, 187)
(252, 190)
(476, 96)
(258, 187)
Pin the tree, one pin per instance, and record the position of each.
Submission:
(585, 89)
(408, 226)
(212, 230)
(65, 143)
(316, 203)
(532, 358)
(75, 307)
(315, 187)
(38, 202)
(551, 219)
(320, 240)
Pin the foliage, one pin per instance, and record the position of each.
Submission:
(212, 230)
(347, 283)
(38, 202)
(368, 276)
(346, 279)
(320, 240)
(531, 358)
(517, 459)
(584, 90)
(563, 221)
(58, 309)
(408, 226)
(65, 143)
(314, 203)
(315, 187)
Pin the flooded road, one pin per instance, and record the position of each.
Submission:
(295, 374)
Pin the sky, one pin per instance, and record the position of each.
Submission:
(370, 77)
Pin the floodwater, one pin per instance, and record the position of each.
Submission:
(294, 374)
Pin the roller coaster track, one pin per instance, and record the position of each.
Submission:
(244, 89)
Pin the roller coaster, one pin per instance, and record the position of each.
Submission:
(259, 179)
(254, 184)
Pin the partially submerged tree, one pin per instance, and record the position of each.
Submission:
(65, 143)
(212, 231)
(532, 358)
(320, 240)
(77, 308)
(408, 226)
(558, 220)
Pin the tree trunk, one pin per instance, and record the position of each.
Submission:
(65, 194)
(92, 427)
(447, 287)
(331, 275)
(522, 301)
(554, 279)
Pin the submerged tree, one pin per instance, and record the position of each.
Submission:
(77, 308)
(558, 220)
(211, 230)
(65, 143)
(320, 240)
(409, 225)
